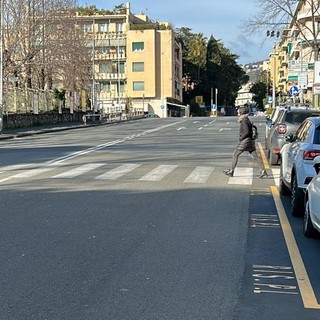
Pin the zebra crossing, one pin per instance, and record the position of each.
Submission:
(193, 175)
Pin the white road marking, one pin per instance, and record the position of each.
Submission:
(158, 173)
(118, 172)
(276, 175)
(32, 172)
(79, 170)
(199, 175)
(242, 176)
(16, 167)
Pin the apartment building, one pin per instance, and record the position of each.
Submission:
(295, 57)
(137, 63)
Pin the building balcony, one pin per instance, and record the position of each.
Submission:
(110, 76)
(304, 15)
(109, 56)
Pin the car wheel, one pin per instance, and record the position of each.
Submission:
(308, 229)
(283, 189)
(273, 158)
(297, 206)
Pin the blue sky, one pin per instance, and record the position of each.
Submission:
(222, 19)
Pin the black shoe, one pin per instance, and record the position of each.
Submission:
(263, 174)
(228, 172)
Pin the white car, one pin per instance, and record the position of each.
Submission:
(296, 170)
(311, 221)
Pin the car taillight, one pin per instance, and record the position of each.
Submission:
(281, 128)
(310, 154)
(307, 180)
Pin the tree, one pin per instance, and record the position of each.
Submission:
(275, 15)
(258, 90)
(43, 40)
(196, 48)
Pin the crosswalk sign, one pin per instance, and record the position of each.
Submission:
(294, 91)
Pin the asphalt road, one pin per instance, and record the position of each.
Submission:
(137, 221)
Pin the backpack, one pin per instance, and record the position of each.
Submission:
(254, 132)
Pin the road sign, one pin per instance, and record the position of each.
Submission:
(199, 99)
(294, 91)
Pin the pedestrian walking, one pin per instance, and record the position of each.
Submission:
(246, 143)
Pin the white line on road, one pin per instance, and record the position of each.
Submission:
(242, 176)
(119, 171)
(78, 171)
(158, 173)
(199, 175)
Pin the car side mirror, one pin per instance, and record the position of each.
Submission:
(289, 138)
(316, 164)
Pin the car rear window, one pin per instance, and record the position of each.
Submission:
(299, 117)
(316, 139)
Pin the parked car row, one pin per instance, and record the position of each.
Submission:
(294, 137)
(284, 121)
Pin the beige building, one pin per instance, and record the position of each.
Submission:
(293, 58)
(244, 95)
(137, 64)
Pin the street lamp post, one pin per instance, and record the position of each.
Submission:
(272, 34)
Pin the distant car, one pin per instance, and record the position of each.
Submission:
(286, 123)
(270, 121)
(311, 221)
(151, 115)
(296, 168)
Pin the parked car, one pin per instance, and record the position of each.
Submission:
(270, 120)
(311, 220)
(296, 168)
(151, 115)
(286, 123)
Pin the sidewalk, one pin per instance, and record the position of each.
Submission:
(29, 131)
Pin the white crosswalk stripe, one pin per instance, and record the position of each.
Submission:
(199, 175)
(118, 172)
(158, 173)
(16, 167)
(32, 172)
(242, 176)
(78, 171)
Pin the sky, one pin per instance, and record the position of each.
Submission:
(220, 18)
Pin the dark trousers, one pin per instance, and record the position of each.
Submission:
(254, 155)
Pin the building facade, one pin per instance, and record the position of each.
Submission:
(295, 56)
(136, 63)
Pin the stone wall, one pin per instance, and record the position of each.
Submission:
(13, 121)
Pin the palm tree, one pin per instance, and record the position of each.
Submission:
(197, 51)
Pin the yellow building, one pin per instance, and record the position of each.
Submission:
(295, 57)
(137, 63)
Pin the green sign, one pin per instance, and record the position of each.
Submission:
(292, 78)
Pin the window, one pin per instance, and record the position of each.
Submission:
(138, 86)
(317, 136)
(105, 68)
(137, 66)
(103, 27)
(119, 27)
(121, 67)
(105, 86)
(87, 28)
(137, 46)
(103, 49)
(302, 131)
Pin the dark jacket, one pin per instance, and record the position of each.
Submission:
(245, 133)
